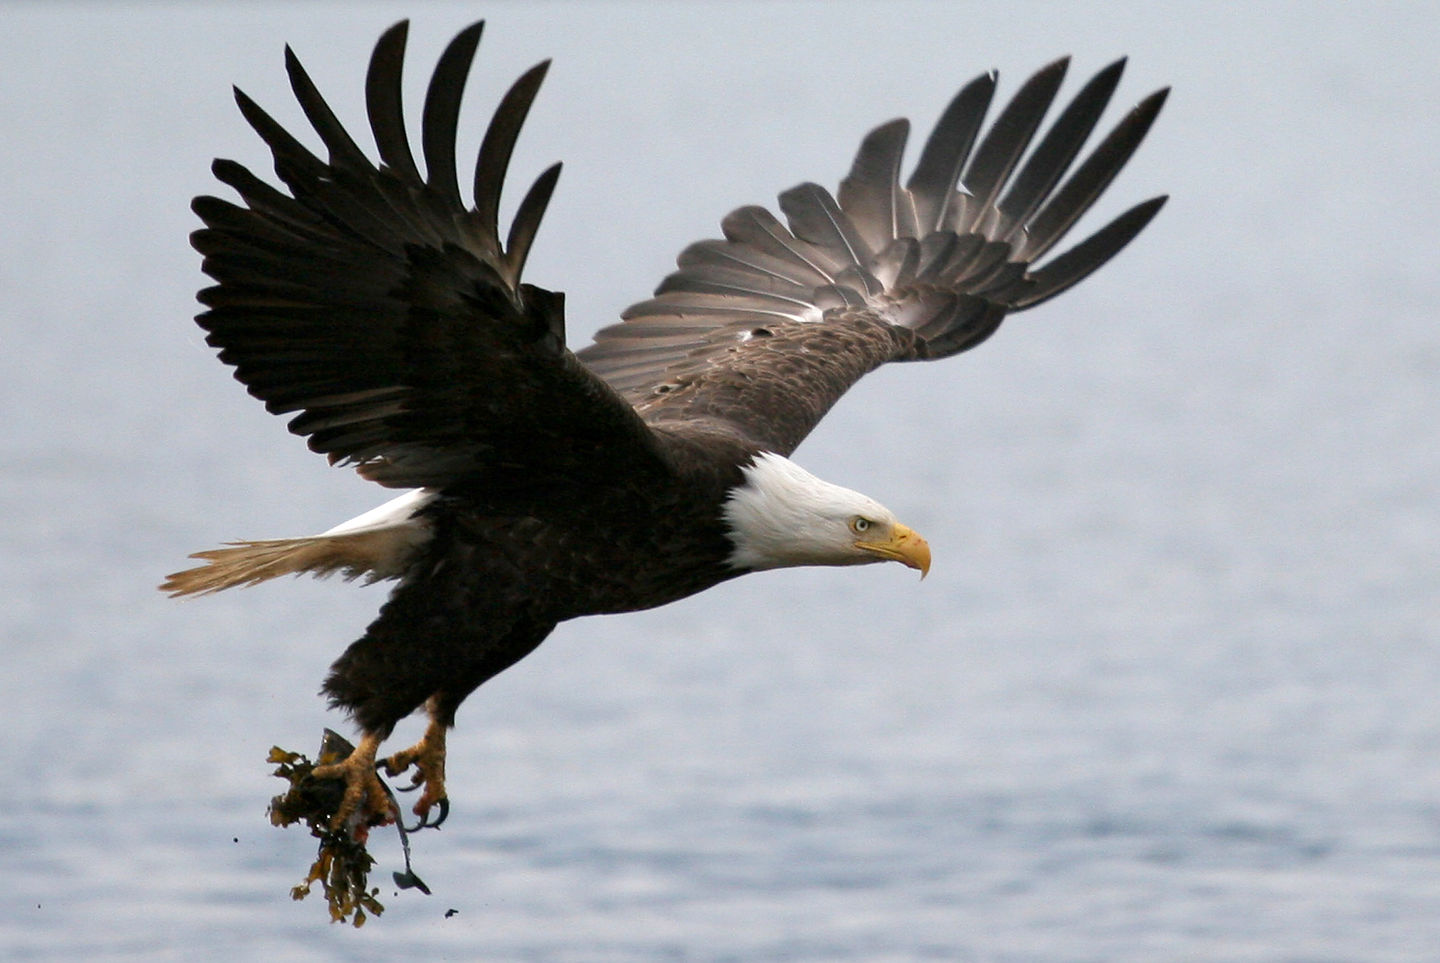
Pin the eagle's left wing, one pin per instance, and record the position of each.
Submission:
(760, 333)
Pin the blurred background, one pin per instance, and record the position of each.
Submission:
(1168, 693)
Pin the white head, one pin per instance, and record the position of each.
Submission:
(782, 515)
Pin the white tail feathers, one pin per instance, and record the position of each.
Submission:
(377, 545)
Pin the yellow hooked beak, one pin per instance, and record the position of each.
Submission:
(904, 545)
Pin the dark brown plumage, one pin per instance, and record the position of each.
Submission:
(391, 322)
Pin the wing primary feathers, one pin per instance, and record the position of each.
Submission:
(291, 157)
(344, 153)
(260, 196)
(933, 183)
(1057, 150)
(1002, 147)
(498, 147)
(870, 194)
(527, 221)
(1091, 178)
(441, 113)
(1076, 264)
(384, 104)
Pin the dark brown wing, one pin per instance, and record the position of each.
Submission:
(764, 330)
(392, 319)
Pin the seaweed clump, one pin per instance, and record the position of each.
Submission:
(342, 864)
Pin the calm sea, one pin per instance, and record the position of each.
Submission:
(1168, 694)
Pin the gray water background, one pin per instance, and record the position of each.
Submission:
(1170, 692)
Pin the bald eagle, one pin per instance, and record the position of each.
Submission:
(540, 484)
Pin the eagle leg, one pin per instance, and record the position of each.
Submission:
(428, 758)
(366, 802)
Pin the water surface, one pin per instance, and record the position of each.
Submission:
(1169, 692)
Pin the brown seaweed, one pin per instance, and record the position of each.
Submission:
(343, 863)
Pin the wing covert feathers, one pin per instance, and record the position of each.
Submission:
(941, 260)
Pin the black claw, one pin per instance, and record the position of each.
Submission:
(425, 821)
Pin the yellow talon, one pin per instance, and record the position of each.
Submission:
(428, 758)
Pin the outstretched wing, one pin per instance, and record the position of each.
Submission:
(763, 331)
(391, 318)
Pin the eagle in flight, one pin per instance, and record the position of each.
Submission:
(539, 484)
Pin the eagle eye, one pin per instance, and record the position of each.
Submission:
(860, 524)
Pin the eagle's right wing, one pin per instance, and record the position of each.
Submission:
(392, 319)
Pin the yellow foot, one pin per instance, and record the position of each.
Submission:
(428, 758)
(366, 802)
